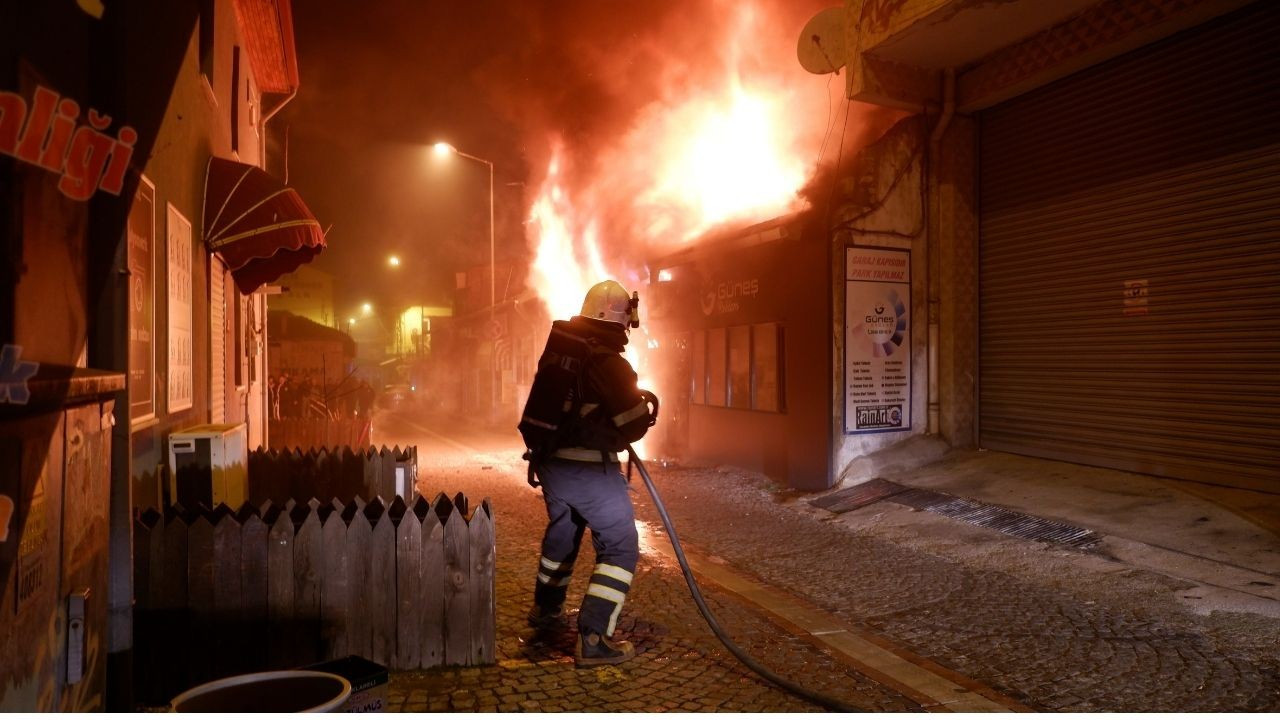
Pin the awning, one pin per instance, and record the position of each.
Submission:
(258, 226)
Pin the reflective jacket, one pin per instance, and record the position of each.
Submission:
(611, 411)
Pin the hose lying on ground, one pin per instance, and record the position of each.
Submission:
(813, 697)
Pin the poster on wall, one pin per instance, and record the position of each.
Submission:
(877, 328)
(141, 236)
(180, 252)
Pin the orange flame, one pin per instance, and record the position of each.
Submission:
(737, 149)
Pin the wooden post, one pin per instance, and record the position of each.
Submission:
(457, 590)
(228, 600)
(359, 535)
(432, 581)
(174, 607)
(372, 470)
(382, 584)
(387, 486)
(253, 584)
(281, 635)
(149, 571)
(481, 537)
(308, 584)
(334, 589)
(200, 573)
(408, 586)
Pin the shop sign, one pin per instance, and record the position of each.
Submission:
(877, 349)
(48, 134)
(1135, 298)
(728, 296)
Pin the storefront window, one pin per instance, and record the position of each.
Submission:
(765, 366)
(699, 378)
(740, 367)
(716, 367)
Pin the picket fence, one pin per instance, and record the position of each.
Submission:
(318, 431)
(218, 593)
(342, 473)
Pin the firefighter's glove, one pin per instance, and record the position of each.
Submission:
(652, 401)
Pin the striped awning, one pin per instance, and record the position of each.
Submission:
(258, 226)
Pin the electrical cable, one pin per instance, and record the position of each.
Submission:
(818, 699)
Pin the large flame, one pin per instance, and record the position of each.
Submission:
(737, 147)
(734, 148)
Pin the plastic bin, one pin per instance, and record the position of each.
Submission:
(368, 682)
(280, 691)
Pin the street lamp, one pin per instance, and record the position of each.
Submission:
(366, 308)
(443, 149)
(394, 261)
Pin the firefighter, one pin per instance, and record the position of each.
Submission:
(583, 484)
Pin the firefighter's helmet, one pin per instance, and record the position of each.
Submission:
(609, 301)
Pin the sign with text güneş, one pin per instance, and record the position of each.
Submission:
(877, 348)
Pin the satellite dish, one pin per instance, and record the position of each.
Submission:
(821, 48)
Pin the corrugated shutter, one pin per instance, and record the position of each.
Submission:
(217, 340)
(1130, 261)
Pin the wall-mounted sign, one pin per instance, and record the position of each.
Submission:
(48, 134)
(1135, 297)
(181, 378)
(728, 296)
(142, 286)
(877, 348)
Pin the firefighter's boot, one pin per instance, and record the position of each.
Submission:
(542, 617)
(596, 649)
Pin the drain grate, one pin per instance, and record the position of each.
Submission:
(1009, 522)
(858, 496)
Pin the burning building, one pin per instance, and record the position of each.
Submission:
(1062, 248)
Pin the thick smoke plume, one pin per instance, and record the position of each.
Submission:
(617, 90)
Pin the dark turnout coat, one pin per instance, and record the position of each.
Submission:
(612, 412)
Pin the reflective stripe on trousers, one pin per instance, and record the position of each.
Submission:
(578, 496)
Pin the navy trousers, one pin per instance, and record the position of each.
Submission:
(581, 495)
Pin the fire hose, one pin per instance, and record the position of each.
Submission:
(754, 665)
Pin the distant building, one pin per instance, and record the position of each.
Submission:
(307, 292)
(300, 346)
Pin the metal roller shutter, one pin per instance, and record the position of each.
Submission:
(1130, 261)
(217, 340)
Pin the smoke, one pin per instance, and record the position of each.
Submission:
(612, 86)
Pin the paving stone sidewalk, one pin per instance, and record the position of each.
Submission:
(680, 665)
(1052, 627)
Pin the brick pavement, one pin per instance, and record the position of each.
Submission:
(1053, 628)
(679, 665)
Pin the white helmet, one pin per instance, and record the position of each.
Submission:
(609, 301)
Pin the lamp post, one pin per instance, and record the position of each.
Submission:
(444, 148)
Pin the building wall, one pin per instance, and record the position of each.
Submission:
(900, 52)
(883, 204)
(196, 126)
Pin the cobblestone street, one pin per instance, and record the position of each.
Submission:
(1025, 623)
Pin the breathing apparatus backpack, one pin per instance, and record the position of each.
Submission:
(556, 394)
